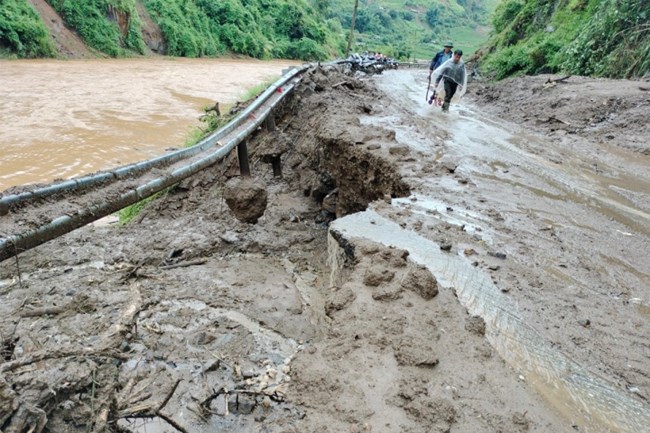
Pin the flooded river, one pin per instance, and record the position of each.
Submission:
(62, 119)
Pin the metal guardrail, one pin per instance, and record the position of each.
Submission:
(14, 244)
(414, 65)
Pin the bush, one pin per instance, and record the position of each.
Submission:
(588, 37)
(505, 14)
(509, 61)
(22, 31)
(306, 49)
(615, 42)
(188, 29)
(109, 26)
(260, 29)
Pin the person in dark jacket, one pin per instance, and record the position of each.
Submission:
(441, 57)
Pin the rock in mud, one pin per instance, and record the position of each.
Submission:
(389, 292)
(399, 150)
(421, 281)
(376, 275)
(438, 413)
(339, 299)
(246, 199)
(475, 325)
(395, 257)
(411, 353)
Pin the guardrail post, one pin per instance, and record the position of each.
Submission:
(270, 123)
(277, 167)
(242, 155)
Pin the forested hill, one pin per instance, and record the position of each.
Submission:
(415, 28)
(609, 38)
(296, 29)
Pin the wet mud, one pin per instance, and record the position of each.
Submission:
(411, 271)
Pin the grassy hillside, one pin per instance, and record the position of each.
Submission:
(609, 38)
(191, 28)
(295, 29)
(109, 26)
(258, 28)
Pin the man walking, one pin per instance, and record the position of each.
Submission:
(454, 75)
(441, 57)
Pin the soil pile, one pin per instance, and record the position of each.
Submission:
(600, 110)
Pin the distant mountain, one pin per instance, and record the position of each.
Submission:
(413, 28)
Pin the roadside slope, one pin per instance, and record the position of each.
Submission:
(602, 110)
(67, 43)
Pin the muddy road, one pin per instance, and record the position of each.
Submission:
(485, 270)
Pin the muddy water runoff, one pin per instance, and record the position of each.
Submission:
(563, 381)
(61, 119)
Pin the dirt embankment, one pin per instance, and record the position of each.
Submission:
(70, 46)
(600, 110)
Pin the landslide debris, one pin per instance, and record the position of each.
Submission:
(595, 109)
(189, 310)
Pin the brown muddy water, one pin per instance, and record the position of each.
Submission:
(61, 119)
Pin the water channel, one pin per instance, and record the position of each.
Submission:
(62, 119)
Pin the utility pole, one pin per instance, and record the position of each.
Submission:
(354, 17)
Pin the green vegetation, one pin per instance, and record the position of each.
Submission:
(109, 26)
(129, 213)
(256, 90)
(414, 28)
(257, 28)
(609, 38)
(293, 29)
(22, 32)
(196, 28)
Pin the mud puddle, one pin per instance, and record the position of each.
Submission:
(619, 194)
